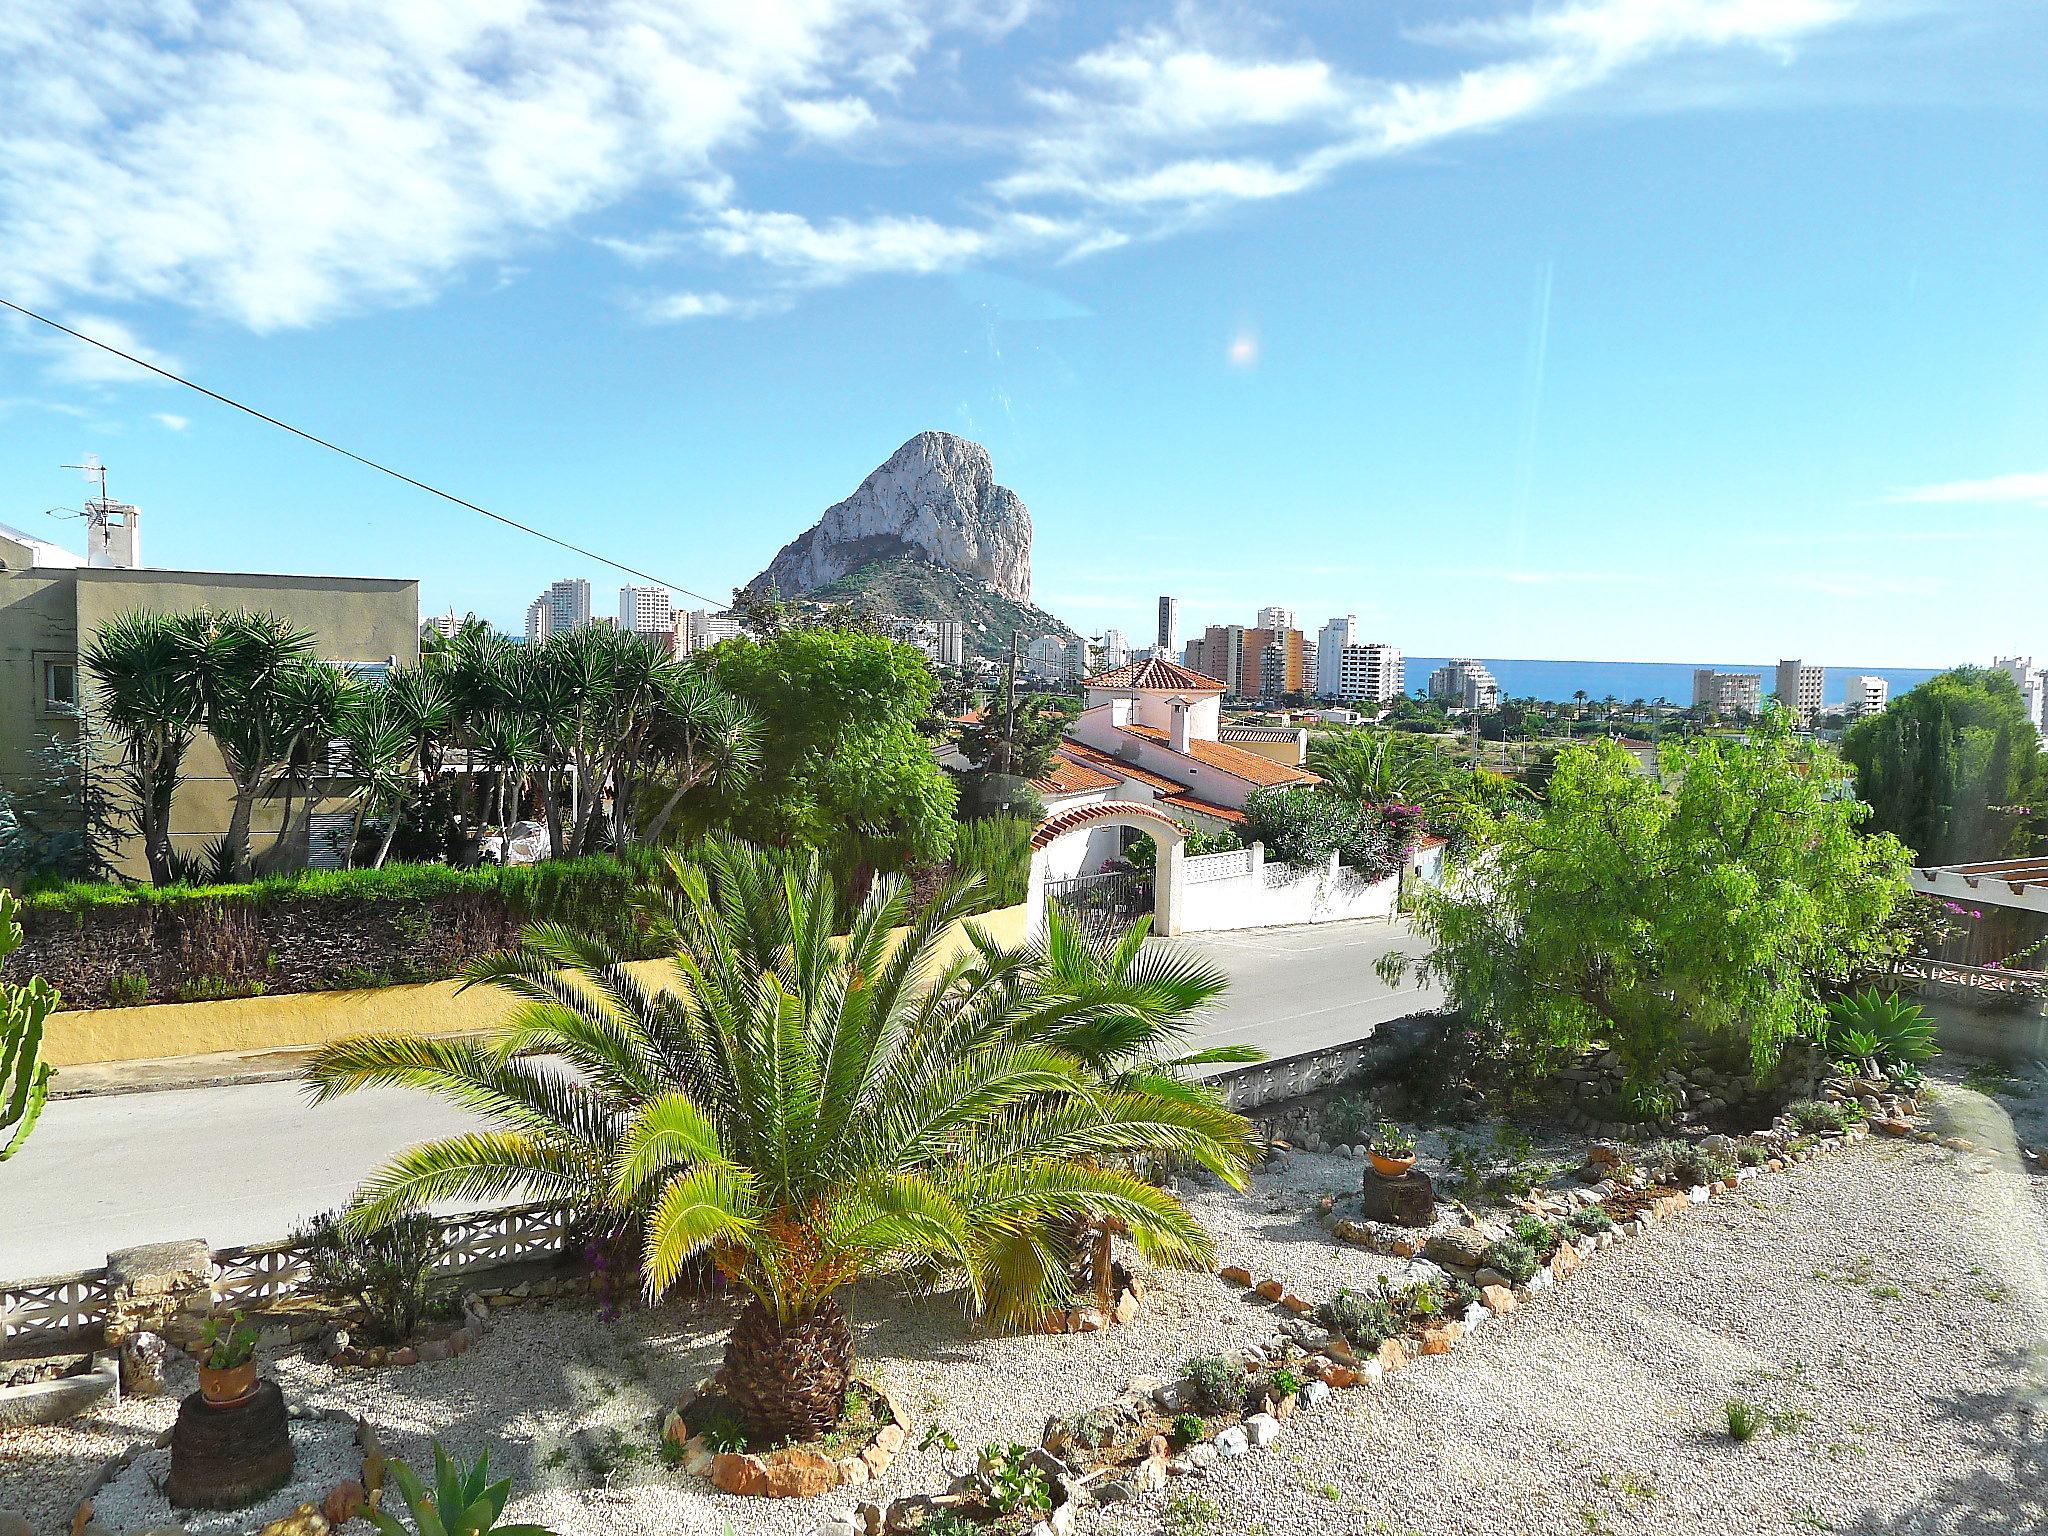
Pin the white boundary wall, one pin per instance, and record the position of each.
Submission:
(1241, 890)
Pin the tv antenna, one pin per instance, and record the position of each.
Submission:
(93, 469)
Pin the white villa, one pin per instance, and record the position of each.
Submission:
(1150, 733)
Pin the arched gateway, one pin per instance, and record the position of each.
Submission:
(1168, 840)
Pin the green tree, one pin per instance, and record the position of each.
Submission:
(148, 694)
(1952, 768)
(1306, 825)
(24, 1075)
(1722, 909)
(804, 1110)
(844, 767)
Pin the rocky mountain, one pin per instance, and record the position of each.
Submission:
(929, 535)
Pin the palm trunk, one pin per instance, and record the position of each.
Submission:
(788, 1379)
(237, 847)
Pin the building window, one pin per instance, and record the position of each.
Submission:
(60, 686)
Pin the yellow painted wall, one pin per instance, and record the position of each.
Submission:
(299, 1019)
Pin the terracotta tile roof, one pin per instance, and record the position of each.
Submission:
(1235, 761)
(1171, 791)
(1156, 674)
(1067, 777)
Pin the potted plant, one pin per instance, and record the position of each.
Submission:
(1392, 1151)
(227, 1365)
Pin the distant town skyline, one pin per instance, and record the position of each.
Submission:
(1585, 328)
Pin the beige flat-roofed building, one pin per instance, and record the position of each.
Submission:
(50, 610)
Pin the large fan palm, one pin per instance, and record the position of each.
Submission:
(146, 670)
(804, 1108)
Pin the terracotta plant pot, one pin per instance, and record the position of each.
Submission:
(1390, 1167)
(229, 1385)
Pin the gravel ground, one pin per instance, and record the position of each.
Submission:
(324, 1452)
(1888, 1302)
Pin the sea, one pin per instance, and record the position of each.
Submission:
(1650, 680)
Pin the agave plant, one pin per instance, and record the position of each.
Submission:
(804, 1109)
(1878, 1032)
(461, 1503)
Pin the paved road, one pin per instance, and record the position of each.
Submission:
(249, 1162)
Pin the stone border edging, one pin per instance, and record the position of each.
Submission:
(62, 1397)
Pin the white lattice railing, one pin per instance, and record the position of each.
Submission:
(55, 1308)
(1286, 874)
(244, 1279)
(1204, 867)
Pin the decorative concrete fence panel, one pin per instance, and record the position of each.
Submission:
(1242, 890)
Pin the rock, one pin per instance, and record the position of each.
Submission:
(842, 1523)
(1202, 1456)
(1463, 1246)
(1498, 1298)
(734, 1472)
(81, 1517)
(12, 1524)
(1341, 1376)
(674, 1429)
(1126, 1307)
(1173, 1395)
(1118, 1491)
(1441, 1339)
(1409, 1201)
(1565, 1262)
(798, 1474)
(1490, 1279)
(1261, 1430)
(1391, 1356)
(1314, 1394)
(143, 1356)
(1296, 1304)
(1233, 1441)
(344, 1502)
(303, 1521)
(935, 499)
(1271, 1290)
(435, 1349)
(1604, 1155)
(334, 1341)
(1089, 1320)
(1235, 1274)
(405, 1356)
(1149, 1475)
(913, 1512)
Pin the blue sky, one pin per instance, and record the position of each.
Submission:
(1658, 329)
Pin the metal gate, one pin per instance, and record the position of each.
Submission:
(1104, 904)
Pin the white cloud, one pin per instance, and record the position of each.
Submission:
(281, 162)
(831, 118)
(691, 305)
(68, 360)
(2030, 488)
(171, 420)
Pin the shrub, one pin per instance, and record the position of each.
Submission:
(1282, 1383)
(1364, 1319)
(1590, 1222)
(1349, 1118)
(1750, 1155)
(1815, 1117)
(1745, 1420)
(1186, 1513)
(1186, 1428)
(1685, 1164)
(1513, 1258)
(998, 849)
(127, 987)
(460, 1500)
(1539, 1235)
(1218, 1383)
(1012, 1480)
(1305, 826)
(388, 1269)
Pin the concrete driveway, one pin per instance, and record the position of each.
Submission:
(248, 1162)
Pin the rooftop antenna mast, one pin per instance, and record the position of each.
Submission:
(111, 537)
(93, 469)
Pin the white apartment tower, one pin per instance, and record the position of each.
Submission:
(646, 610)
(947, 647)
(1799, 690)
(1116, 648)
(568, 603)
(1867, 695)
(1276, 618)
(1370, 672)
(1330, 642)
(540, 621)
(1728, 691)
(2033, 686)
(1465, 683)
(1169, 628)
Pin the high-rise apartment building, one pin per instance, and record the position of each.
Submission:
(1194, 656)
(1330, 642)
(2033, 686)
(697, 628)
(1867, 695)
(1168, 641)
(1465, 684)
(568, 603)
(1728, 692)
(949, 646)
(540, 620)
(1372, 671)
(1282, 663)
(1799, 690)
(1223, 651)
(1276, 618)
(1116, 649)
(646, 610)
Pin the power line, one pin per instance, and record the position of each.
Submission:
(432, 490)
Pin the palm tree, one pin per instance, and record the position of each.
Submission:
(699, 737)
(1124, 1009)
(804, 1109)
(256, 707)
(146, 668)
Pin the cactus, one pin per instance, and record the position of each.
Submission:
(24, 1076)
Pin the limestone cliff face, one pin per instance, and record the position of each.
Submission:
(935, 498)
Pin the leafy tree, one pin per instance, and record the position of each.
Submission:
(149, 696)
(1305, 825)
(60, 819)
(1952, 767)
(844, 767)
(1658, 920)
(805, 1110)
